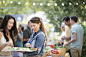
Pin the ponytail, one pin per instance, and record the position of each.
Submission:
(42, 28)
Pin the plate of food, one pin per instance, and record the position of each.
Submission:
(22, 49)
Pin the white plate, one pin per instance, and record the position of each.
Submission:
(21, 50)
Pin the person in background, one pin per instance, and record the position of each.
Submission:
(63, 33)
(61, 42)
(77, 37)
(37, 39)
(67, 36)
(8, 30)
(19, 43)
(27, 33)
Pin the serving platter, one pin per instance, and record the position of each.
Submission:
(22, 49)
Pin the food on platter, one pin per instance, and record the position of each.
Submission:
(22, 49)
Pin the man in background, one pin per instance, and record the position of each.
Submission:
(27, 33)
(67, 36)
(77, 37)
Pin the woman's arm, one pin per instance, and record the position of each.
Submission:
(38, 44)
(2, 46)
(20, 37)
(7, 43)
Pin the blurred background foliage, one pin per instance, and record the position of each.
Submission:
(55, 10)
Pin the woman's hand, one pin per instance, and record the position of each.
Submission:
(28, 45)
(9, 44)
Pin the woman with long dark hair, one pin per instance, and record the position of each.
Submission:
(8, 30)
(37, 39)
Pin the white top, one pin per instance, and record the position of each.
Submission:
(4, 51)
(62, 35)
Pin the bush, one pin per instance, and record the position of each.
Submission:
(84, 45)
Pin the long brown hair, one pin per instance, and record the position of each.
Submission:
(39, 20)
(3, 26)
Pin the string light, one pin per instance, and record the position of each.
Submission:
(26, 3)
(48, 4)
(83, 2)
(70, 4)
(76, 3)
(41, 4)
(19, 2)
(11, 2)
(34, 4)
(55, 4)
(62, 4)
(3, 1)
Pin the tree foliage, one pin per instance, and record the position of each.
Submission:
(6, 7)
(54, 13)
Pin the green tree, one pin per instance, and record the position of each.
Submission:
(15, 7)
(64, 8)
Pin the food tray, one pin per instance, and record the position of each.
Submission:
(22, 49)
